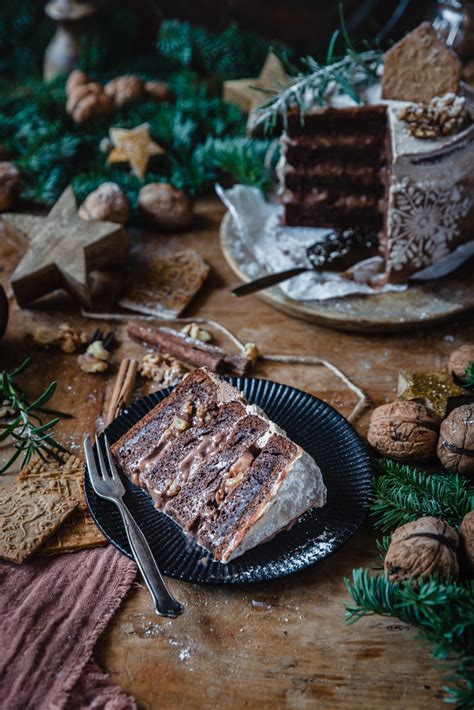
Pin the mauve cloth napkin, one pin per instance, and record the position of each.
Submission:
(52, 611)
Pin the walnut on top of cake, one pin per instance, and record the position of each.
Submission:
(357, 153)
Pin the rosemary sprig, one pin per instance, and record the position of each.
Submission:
(403, 493)
(442, 611)
(346, 75)
(25, 425)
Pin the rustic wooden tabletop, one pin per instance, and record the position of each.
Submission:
(279, 644)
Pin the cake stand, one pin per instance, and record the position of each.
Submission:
(422, 304)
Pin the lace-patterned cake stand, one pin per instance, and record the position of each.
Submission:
(422, 304)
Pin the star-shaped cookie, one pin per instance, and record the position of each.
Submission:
(135, 147)
(62, 249)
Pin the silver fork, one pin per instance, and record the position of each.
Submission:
(107, 483)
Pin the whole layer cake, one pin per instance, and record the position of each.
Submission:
(364, 166)
(219, 467)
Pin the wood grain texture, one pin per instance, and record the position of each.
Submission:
(280, 644)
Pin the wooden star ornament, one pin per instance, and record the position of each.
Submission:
(433, 389)
(245, 93)
(135, 147)
(62, 249)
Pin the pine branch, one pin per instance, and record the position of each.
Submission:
(442, 611)
(403, 493)
(470, 377)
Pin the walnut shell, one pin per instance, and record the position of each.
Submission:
(106, 203)
(405, 431)
(423, 547)
(466, 536)
(9, 185)
(88, 101)
(157, 90)
(165, 207)
(456, 440)
(125, 89)
(459, 361)
(76, 78)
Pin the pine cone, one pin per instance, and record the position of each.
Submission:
(125, 89)
(421, 548)
(107, 203)
(456, 440)
(459, 361)
(165, 207)
(9, 185)
(405, 431)
(466, 535)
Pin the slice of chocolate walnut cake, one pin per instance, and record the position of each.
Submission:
(219, 467)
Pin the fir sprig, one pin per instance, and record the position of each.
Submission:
(469, 384)
(347, 75)
(25, 425)
(403, 493)
(442, 611)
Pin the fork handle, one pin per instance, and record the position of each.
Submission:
(165, 603)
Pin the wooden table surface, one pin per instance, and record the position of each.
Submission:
(279, 644)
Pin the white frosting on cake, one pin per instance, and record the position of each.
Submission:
(431, 186)
(301, 489)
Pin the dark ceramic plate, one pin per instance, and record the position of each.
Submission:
(312, 424)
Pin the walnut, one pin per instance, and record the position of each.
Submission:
(423, 547)
(65, 337)
(459, 361)
(405, 431)
(251, 352)
(95, 359)
(9, 185)
(442, 116)
(196, 332)
(88, 101)
(466, 536)
(157, 90)
(456, 440)
(76, 78)
(70, 339)
(165, 207)
(162, 369)
(125, 89)
(107, 203)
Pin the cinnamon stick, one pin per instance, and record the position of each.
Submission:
(123, 388)
(192, 352)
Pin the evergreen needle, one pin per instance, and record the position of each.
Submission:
(24, 425)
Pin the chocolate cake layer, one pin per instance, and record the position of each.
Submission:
(203, 492)
(202, 449)
(333, 173)
(243, 499)
(350, 120)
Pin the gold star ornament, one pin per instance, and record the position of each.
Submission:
(135, 147)
(245, 93)
(62, 249)
(433, 389)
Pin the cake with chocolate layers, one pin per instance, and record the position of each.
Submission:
(386, 165)
(218, 467)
